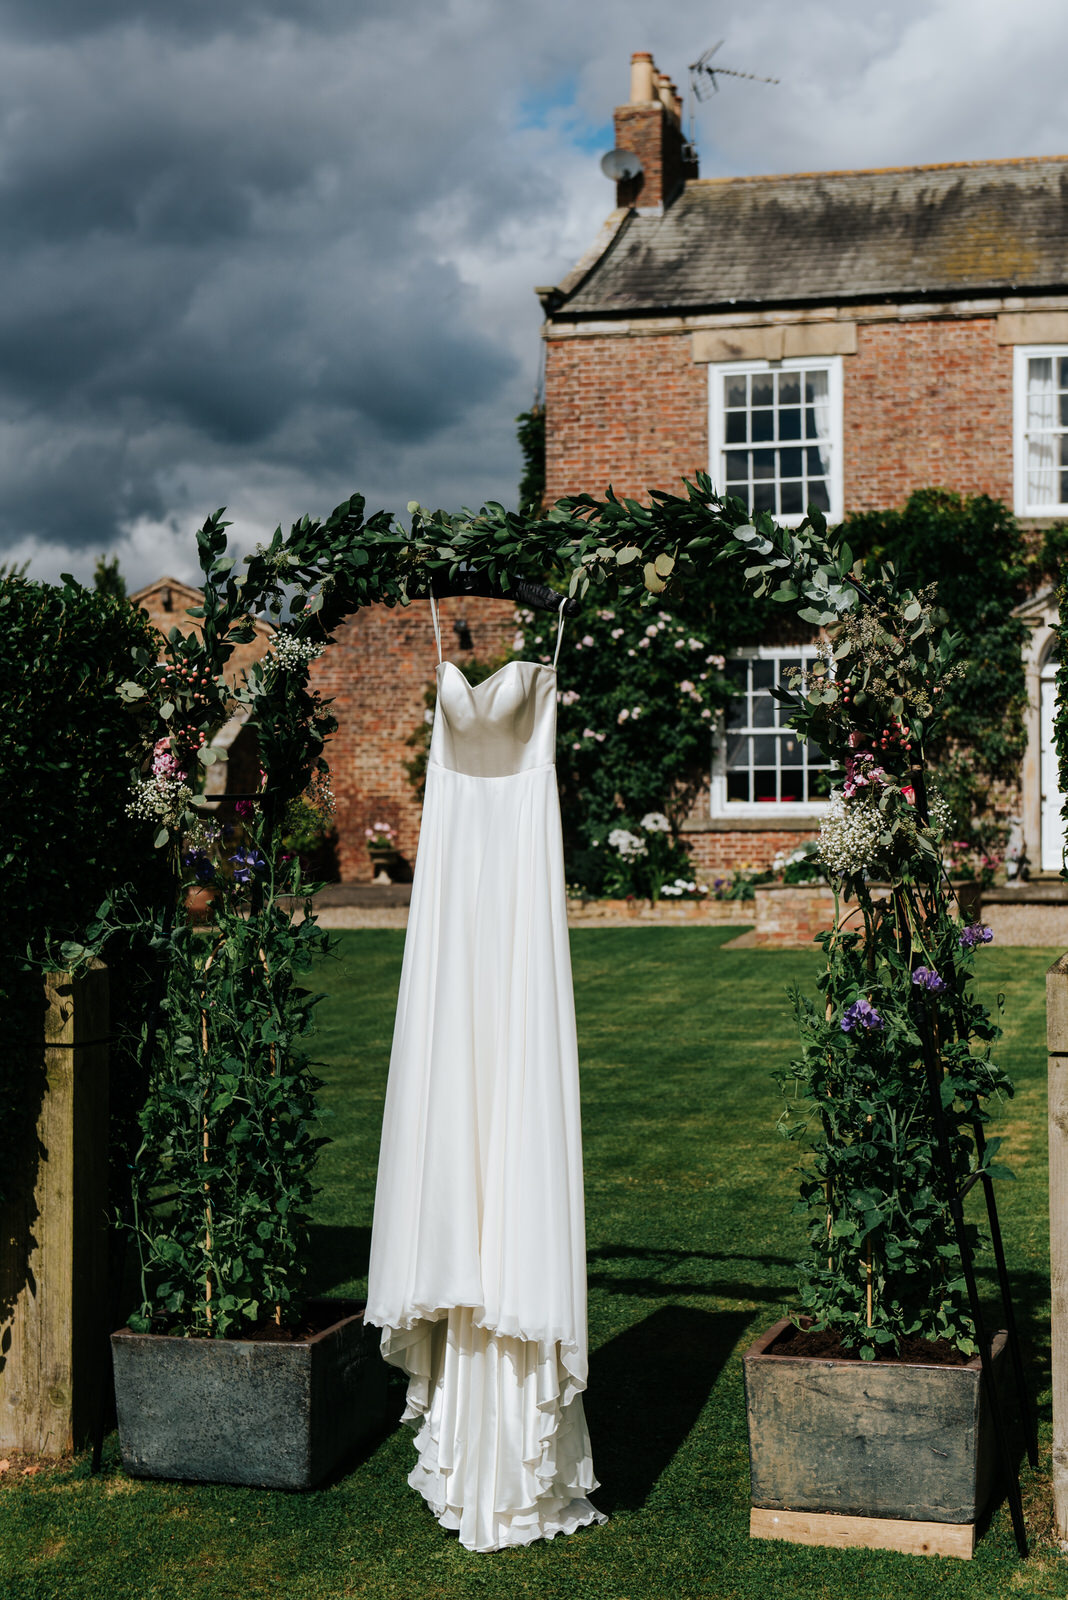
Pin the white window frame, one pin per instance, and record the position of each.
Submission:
(1022, 354)
(774, 812)
(832, 366)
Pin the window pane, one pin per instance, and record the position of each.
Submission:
(764, 745)
(790, 754)
(763, 389)
(790, 463)
(765, 786)
(738, 786)
(735, 429)
(790, 423)
(737, 751)
(763, 425)
(734, 391)
(737, 466)
(763, 463)
(764, 497)
(817, 494)
(815, 386)
(1062, 365)
(763, 711)
(789, 388)
(791, 499)
(763, 675)
(1064, 410)
(815, 462)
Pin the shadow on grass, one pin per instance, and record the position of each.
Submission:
(339, 1255)
(647, 1388)
(657, 1281)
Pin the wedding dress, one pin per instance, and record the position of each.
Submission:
(478, 1256)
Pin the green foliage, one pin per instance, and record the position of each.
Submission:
(107, 579)
(1060, 723)
(531, 436)
(972, 550)
(66, 841)
(859, 1099)
(639, 691)
(222, 1179)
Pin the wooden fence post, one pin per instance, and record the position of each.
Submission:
(54, 1235)
(1057, 1044)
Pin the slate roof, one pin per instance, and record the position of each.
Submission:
(898, 233)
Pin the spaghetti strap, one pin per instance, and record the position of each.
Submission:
(559, 630)
(437, 627)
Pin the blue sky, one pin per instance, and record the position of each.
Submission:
(269, 253)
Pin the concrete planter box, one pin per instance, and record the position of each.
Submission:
(879, 1454)
(278, 1416)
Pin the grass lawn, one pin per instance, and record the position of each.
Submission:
(690, 1246)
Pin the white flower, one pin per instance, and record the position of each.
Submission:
(567, 697)
(715, 661)
(655, 822)
(627, 844)
(606, 616)
(600, 737)
(160, 799)
(632, 652)
(518, 642)
(651, 631)
(617, 633)
(849, 834)
(587, 640)
(705, 714)
(588, 733)
(680, 644)
(696, 644)
(643, 644)
(635, 711)
(290, 653)
(623, 715)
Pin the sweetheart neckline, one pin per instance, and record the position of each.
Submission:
(542, 666)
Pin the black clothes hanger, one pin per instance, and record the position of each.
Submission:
(535, 596)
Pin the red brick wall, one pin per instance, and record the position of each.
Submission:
(632, 413)
(376, 674)
(924, 403)
(713, 853)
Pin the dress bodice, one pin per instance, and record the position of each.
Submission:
(504, 725)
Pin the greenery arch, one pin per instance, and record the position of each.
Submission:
(232, 1113)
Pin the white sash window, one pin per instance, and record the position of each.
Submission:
(1041, 445)
(776, 435)
(760, 764)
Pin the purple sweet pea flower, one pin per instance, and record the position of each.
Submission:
(927, 978)
(245, 863)
(977, 933)
(861, 1014)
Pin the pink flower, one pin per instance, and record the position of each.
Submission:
(165, 763)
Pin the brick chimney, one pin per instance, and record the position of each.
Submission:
(651, 126)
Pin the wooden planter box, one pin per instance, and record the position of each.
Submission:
(890, 1455)
(273, 1415)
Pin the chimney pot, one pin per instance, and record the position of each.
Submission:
(642, 78)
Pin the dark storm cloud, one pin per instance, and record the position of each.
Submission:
(267, 252)
(202, 244)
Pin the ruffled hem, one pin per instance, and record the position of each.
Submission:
(504, 1454)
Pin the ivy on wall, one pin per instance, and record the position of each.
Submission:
(973, 549)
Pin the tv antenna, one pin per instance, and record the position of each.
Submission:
(702, 69)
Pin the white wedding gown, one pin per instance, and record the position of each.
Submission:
(478, 1256)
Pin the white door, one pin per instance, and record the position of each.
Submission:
(1052, 798)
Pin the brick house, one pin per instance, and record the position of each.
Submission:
(841, 338)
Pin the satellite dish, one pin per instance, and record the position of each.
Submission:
(620, 165)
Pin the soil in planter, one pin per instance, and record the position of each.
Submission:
(827, 1343)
